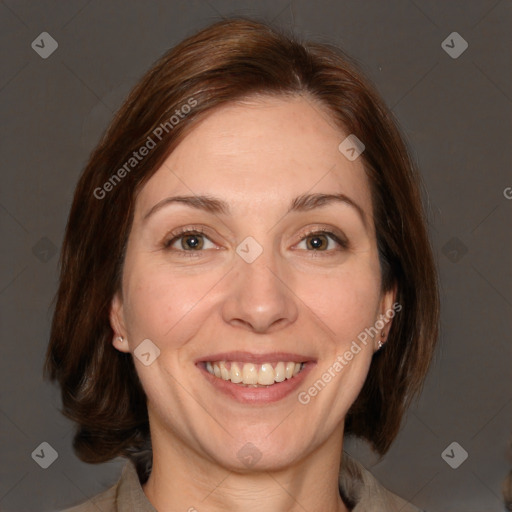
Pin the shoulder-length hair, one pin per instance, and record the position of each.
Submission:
(229, 61)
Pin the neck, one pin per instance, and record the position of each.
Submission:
(184, 480)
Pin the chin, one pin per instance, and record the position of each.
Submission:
(254, 456)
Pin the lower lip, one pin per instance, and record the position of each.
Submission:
(255, 396)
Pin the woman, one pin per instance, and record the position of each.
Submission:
(246, 280)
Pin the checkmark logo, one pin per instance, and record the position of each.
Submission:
(249, 455)
(45, 455)
(351, 147)
(454, 45)
(44, 45)
(44, 249)
(454, 455)
(249, 249)
(454, 250)
(146, 352)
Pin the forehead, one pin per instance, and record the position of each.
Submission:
(261, 151)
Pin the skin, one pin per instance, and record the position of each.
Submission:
(257, 156)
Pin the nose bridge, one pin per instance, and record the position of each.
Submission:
(259, 298)
(260, 276)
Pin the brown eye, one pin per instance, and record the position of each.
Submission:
(317, 242)
(192, 242)
(322, 241)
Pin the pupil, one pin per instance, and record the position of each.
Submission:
(192, 241)
(316, 242)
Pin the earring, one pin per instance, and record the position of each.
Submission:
(120, 338)
(381, 342)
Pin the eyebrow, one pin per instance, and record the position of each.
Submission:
(307, 202)
(206, 203)
(302, 203)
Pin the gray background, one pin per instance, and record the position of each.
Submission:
(456, 114)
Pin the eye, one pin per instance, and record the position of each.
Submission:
(188, 240)
(321, 241)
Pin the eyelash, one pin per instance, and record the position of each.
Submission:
(341, 241)
(179, 233)
(176, 235)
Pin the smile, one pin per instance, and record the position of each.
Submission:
(254, 375)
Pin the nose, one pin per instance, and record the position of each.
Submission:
(259, 298)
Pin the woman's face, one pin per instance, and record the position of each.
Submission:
(278, 265)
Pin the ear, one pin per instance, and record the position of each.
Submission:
(388, 309)
(118, 324)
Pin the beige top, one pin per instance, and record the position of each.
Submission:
(355, 482)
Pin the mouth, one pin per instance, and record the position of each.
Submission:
(254, 375)
(255, 378)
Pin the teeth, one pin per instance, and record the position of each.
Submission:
(249, 374)
(236, 374)
(280, 372)
(266, 375)
(224, 373)
(254, 375)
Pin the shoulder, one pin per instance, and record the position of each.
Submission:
(126, 495)
(105, 501)
(108, 500)
(366, 493)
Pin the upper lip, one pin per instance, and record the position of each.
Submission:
(250, 357)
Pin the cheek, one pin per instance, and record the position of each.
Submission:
(162, 304)
(346, 300)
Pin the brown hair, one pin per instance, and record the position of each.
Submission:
(225, 62)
